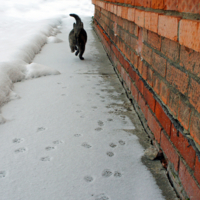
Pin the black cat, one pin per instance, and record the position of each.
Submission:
(77, 37)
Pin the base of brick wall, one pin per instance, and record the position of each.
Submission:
(163, 133)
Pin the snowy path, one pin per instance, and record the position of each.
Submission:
(68, 136)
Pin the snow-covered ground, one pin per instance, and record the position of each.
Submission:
(25, 26)
(64, 136)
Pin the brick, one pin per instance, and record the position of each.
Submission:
(147, 54)
(173, 103)
(140, 41)
(190, 59)
(170, 49)
(169, 150)
(115, 9)
(124, 12)
(144, 35)
(183, 146)
(195, 128)
(184, 113)
(171, 5)
(154, 40)
(140, 63)
(156, 84)
(164, 92)
(139, 17)
(168, 26)
(194, 94)
(139, 2)
(142, 104)
(133, 43)
(177, 78)
(147, 3)
(119, 11)
(154, 126)
(197, 169)
(131, 14)
(188, 182)
(189, 32)
(157, 4)
(134, 59)
(144, 71)
(148, 96)
(139, 84)
(163, 118)
(159, 64)
(151, 21)
(191, 6)
(134, 92)
(150, 77)
(131, 73)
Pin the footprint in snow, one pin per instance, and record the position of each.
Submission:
(100, 123)
(107, 173)
(122, 142)
(47, 158)
(77, 135)
(41, 129)
(98, 129)
(110, 154)
(20, 150)
(101, 197)
(117, 174)
(88, 179)
(2, 174)
(50, 148)
(112, 145)
(58, 142)
(86, 145)
(18, 140)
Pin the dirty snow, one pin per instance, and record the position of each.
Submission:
(64, 136)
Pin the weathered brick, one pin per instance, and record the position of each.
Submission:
(124, 12)
(184, 113)
(190, 6)
(170, 49)
(150, 77)
(197, 169)
(189, 31)
(171, 5)
(147, 54)
(177, 78)
(190, 59)
(119, 11)
(140, 63)
(168, 26)
(157, 4)
(131, 14)
(147, 3)
(142, 104)
(151, 21)
(133, 43)
(138, 2)
(163, 118)
(169, 150)
(131, 73)
(159, 64)
(144, 72)
(173, 103)
(156, 84)
(185, 149)
(134, 59)
(188, 182)
(148, 96)
(195, 127)
(134, 92)
(139, 17)
(154, 126)
(194, 94)
(154, 40)
(164, 92)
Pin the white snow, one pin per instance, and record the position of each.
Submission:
(60, 135)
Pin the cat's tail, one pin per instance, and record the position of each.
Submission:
(77, 18)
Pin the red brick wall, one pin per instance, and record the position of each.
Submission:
(155, 47)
